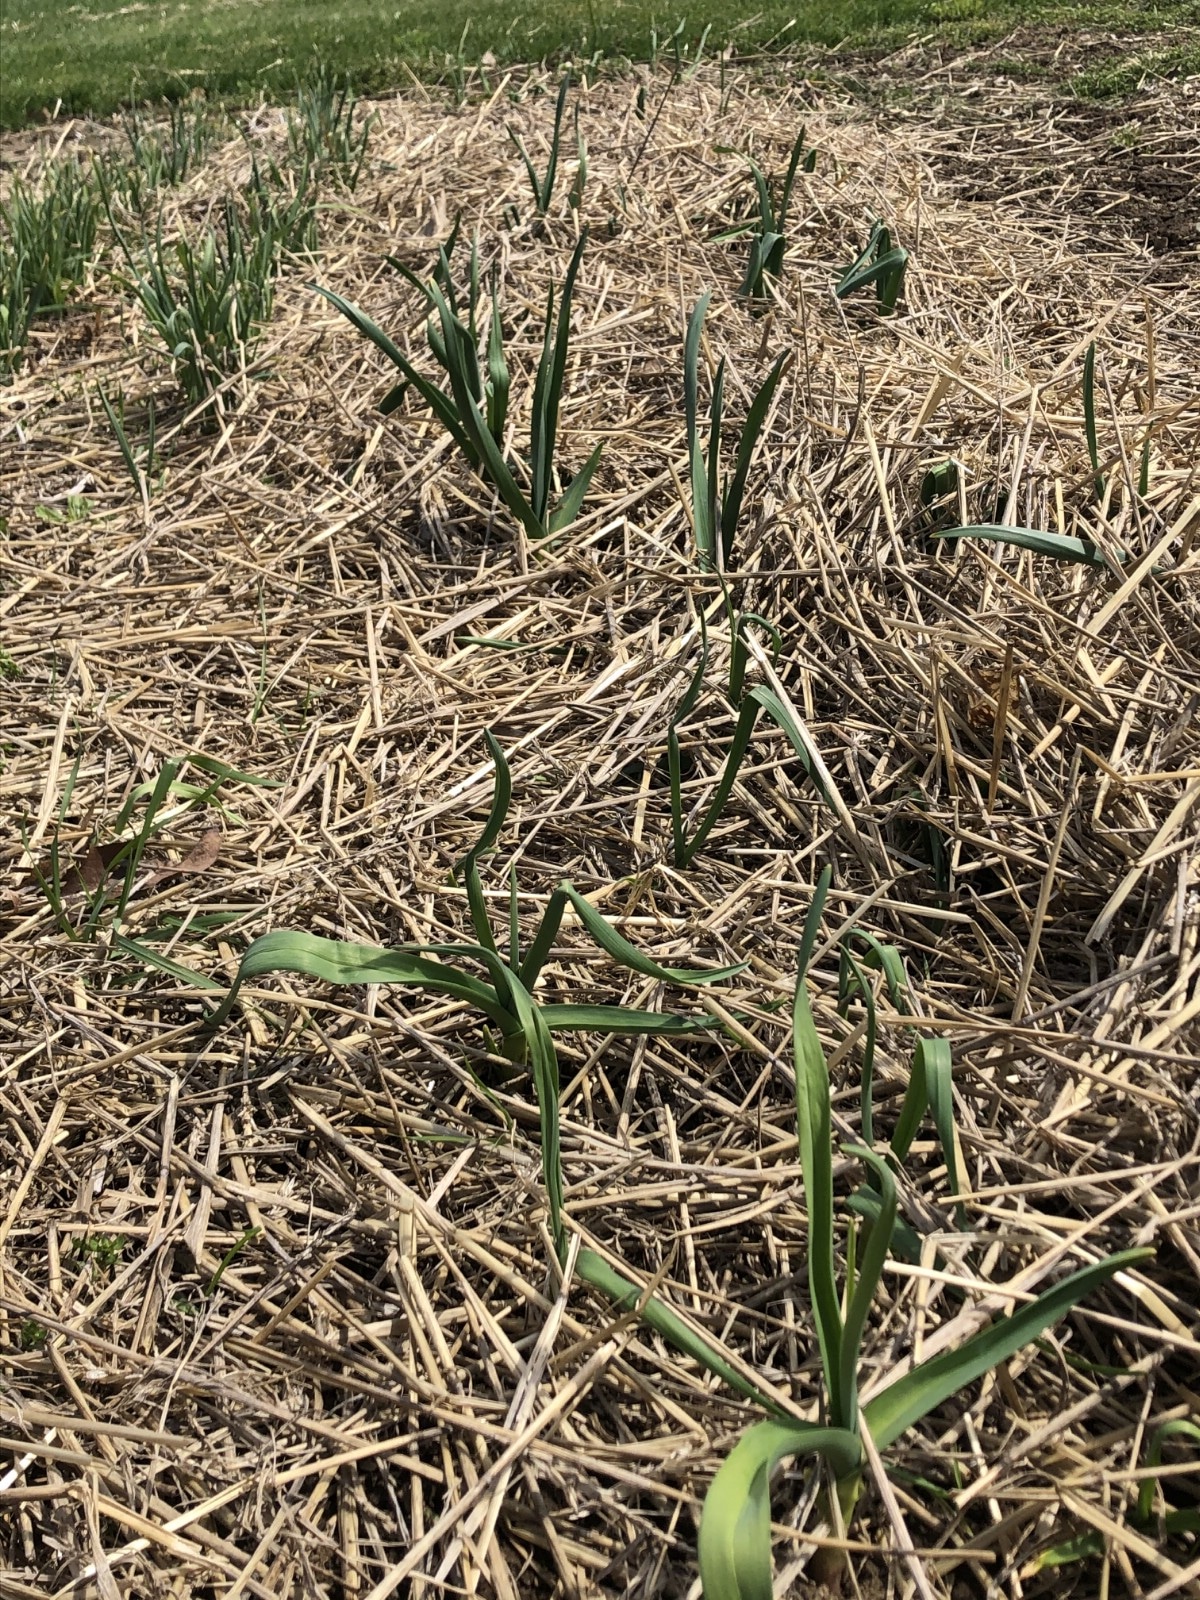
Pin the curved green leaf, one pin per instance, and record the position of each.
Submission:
(609, 940)
(1176, 1428)
(907, 1400)
(345, 961)
(878, 1242)
(735, 1526)
(1062, 546)
(624, 1021)
(627, 1296)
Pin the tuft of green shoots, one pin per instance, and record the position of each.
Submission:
(543, 187)
(881, 263)
(716, 509)
(282, 206)
(526, 1025)
(210, 305)
(474, 408)
(159, 156)
(769, 238)
(735, 1527)
(322, 137)
(47, 242)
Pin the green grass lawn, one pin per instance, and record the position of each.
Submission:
(105, 53)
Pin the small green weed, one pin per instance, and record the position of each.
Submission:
(104, 1250)
(769, 241)
(881, 263)
(32, 1336)
(476, 406)
(76, 508)
(106, 874)
(716, 510)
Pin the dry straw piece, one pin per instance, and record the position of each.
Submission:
(278, 1314)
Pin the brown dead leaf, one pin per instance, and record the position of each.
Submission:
(87, 872)
(199, 858)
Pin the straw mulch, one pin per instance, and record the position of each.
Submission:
(386, 1390)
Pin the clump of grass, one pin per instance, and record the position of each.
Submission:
(880, 262)
(322, 137)
(210, 304)
(769, 241)
(475, 407)
(47, 244)
(716, 509)
(735, 1528)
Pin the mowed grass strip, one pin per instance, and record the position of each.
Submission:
(90, 59)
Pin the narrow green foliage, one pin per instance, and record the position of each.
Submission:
(159, 155)
(735, 1529)
(1089, 417)
(1184, 1520)
(739, 655)
(716, 509)
(768, 236)
(504, 996)
(47, 242)
(322, 138)
(579, 182)
(456, 66)
(474, 409)
(139, 472)
(735, 1534)
(880, 263)
(210, 304)
(282, 206)
(759, 699)
(543, 187)
(1062, 546)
